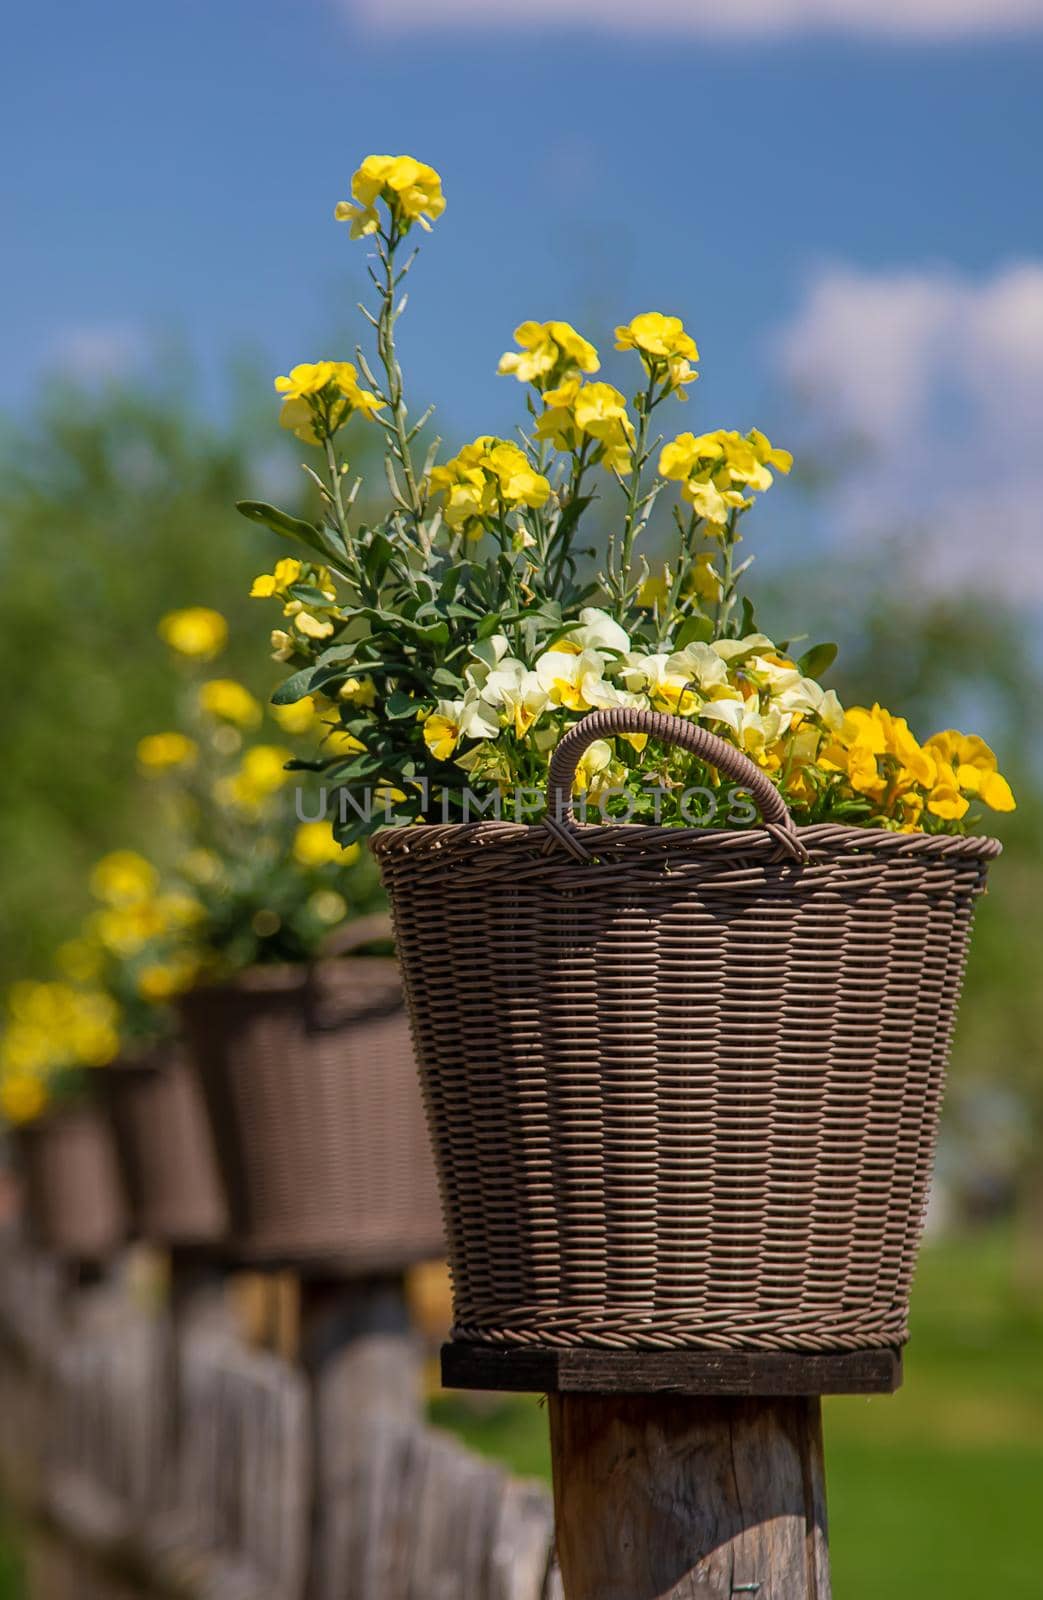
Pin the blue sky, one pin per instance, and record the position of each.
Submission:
(814, 199)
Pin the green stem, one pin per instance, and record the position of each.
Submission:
(394, 396)
(633, 499)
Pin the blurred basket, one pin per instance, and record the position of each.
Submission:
(683, 1084)
(312, 1092)
(165, 1149)
(74, 1203)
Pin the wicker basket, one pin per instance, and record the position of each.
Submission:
(74, 1203)
(683, 1084)
(165, 1150)
(311, 1088)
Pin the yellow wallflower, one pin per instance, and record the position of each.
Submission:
(197, 631)
(158, 752)
(287, 571)
(358, 692)
(488, 476)
(315, 846)
(548, 351)
(665, 348)
(229, 701)
(411, 191)
(320, 396)
(124, 878)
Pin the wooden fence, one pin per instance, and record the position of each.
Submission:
(152, 1451)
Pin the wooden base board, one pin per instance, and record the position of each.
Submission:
(542, 1370)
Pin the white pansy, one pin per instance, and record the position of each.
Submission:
(598, 631)
(474, 719)
(668, 681)
(830, 711)
(576, 681)
(736, 649)
(701, 663)
(593, 761)
(517, 693)
(728, 708)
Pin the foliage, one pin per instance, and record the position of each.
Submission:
(459, 635)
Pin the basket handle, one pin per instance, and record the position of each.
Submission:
(352, 935)
(560, 818)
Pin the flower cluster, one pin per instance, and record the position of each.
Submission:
(51, 1033)
(462, 634)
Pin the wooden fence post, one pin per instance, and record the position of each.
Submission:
(681, 1475)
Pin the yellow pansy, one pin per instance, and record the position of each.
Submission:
(158, 752)
(591, 764)
(548, 351)
(197, 631)
(975, 768)
(124, 878)
(576, 681)
(411, 191)
(315, 846)
(229, 701)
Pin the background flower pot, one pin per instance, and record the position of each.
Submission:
(311, 1087)
(74, 1201)
(165, 1149)
(683, 1084)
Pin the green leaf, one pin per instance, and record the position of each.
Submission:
(814, 662)
(693, 629)
(295, 688)
(748, 624)
(295, 528)
(398, 704)
(307, 594)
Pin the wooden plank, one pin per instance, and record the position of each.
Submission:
(665, 1498)
(531, 1370)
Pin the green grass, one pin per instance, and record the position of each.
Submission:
(937, 1490)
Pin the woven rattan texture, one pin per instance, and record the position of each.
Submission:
(73, 1197)
(683, 1093)
(166, 1150)
(312, 1093)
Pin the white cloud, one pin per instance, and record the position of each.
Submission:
(911, 19)
(941, 380)
(95, 352)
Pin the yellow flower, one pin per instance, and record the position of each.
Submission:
(598, 410)
(411, 191)
(441, 733)
(591, 764)
(320, 396)
(262, 772)
(162, 980)
(124, 878)
(201, 866)
(328, 906)
(975, 768)
(157, 752)
(268, 584)
(665, 348)
(79, 959)
(196, 631)
(339, 742)
(946, 801)
(23, 1097)
(549, 350)
(315, 846)
(358, 692)
(298, 718)
(229, 701)
(311, 626)
(487, 477)
(714, 468)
